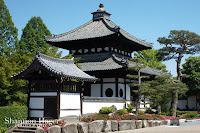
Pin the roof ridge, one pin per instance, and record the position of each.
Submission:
(122, 61)
(40, 55)
(71, 31)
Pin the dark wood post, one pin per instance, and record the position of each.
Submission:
(58, 99)
(81, 98)
(28, 99)
(101, 87)
(125, 87)
(116, 86)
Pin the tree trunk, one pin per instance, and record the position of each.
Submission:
(179, 78)
(174, 103)
(179, 74)
(139, 94)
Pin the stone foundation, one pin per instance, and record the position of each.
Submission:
(103, 126)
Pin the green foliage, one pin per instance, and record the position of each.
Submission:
(13, 112)
(129, 108)
(122, 111)
(140, 112)
(149, 111)
(178, 42)
(162, 86)
(150, 59)
(32, 39)
(106, 110)
(191, 114)
(8, 32)
(3, 130)
(191, 70)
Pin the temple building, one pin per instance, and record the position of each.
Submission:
(105, 50)
(55, 87)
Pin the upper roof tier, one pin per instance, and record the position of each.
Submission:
(59, 68)
(99, 27)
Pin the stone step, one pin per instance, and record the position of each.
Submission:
(24, 131)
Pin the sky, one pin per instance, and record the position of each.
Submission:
(145, 19)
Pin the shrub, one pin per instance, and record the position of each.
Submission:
(191, 114)
(95, 117)
(13, 113)
(122, 112)
(106, 110)
(149, 111)
(3, 130)
(141, 112)
(129, 108)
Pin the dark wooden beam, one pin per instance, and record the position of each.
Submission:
(58, 101)
(125, 87)
(101, 87)
(116, 86)
(28, 100)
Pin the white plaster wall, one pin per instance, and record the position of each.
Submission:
(109, 85)
(121, 86)
(36, 113)
(36, 103)
(95, 90)
(69, 100)
(64, 113)
(108, 79)
(128, 95)
(43, 94)
(94, 107)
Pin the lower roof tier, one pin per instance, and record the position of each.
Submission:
(110, 61)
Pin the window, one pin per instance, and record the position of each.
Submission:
(121, 93)
(109, 92)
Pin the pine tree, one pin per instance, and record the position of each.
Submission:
(139, 64)
(8, 32)
(151, 59)
(175, 47)
(32, 39)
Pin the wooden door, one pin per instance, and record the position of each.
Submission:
(50, 107)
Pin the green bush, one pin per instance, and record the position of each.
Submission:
(13, 113)
(192, 113)
(129, 108)
(140, 112)
(3, 130)
(149, 111)
(122, 112)
(106, 110)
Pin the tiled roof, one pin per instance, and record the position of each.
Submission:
(111, 62)
(64, 68)
(95, 29)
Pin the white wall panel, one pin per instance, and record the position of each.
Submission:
(128, 95)
(95, 90)
(36, 103)
(43, 94)
(121, 86)
(109, 85)
(36, 113)
(64, 113)
(69, 100)
(94, 107)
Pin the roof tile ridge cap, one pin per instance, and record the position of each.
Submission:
(113, 28)
(135, 38)
(58, 60)
(48, 67)
(123, 61)
(71, 31)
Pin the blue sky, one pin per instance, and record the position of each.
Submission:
(144, 19)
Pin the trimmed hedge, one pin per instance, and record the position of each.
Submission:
(8, 113)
